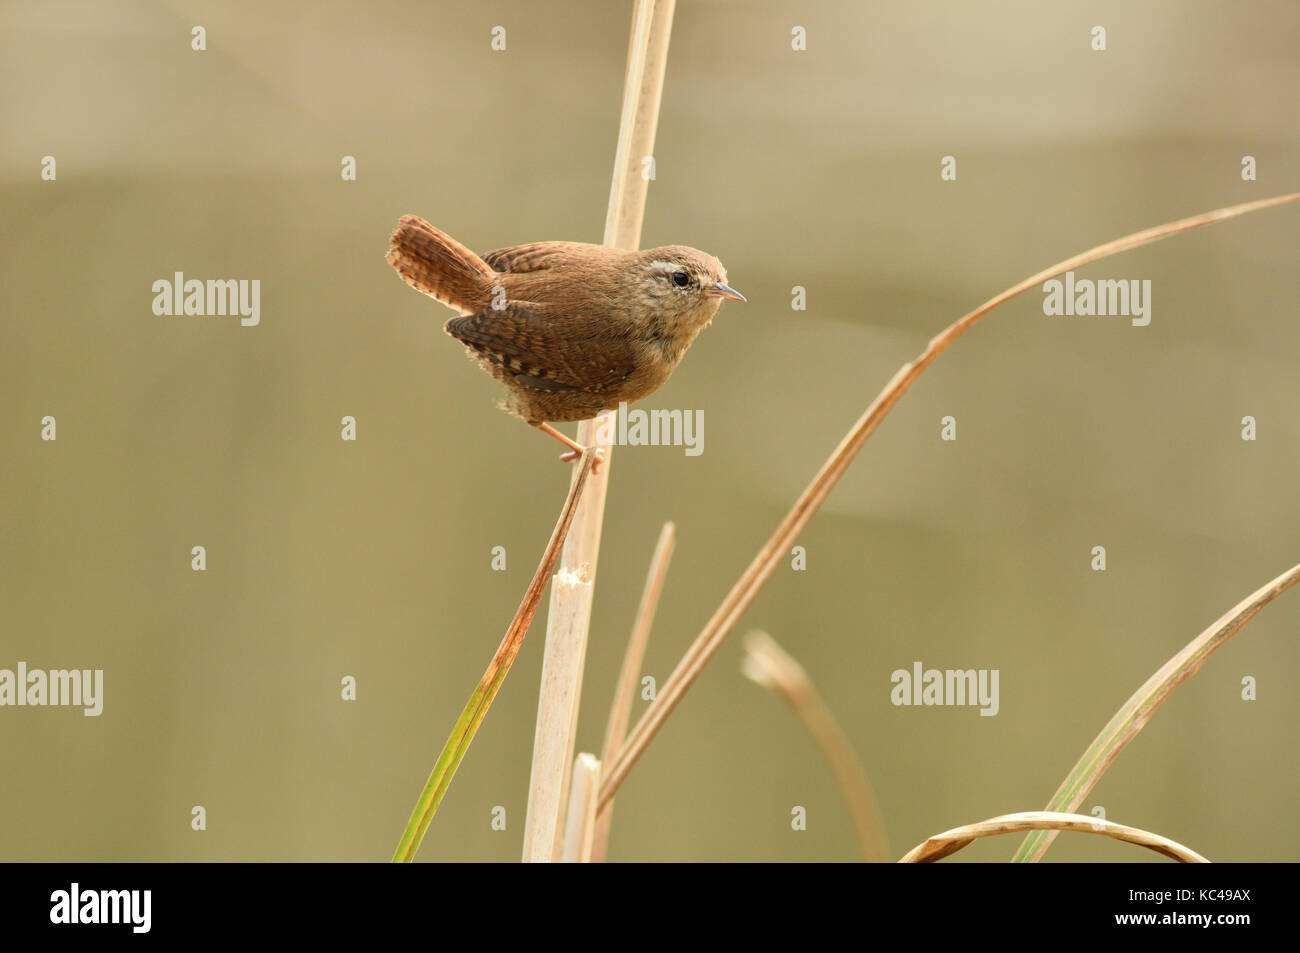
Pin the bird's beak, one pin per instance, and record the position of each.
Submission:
(722, 291)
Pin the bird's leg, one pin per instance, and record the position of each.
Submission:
(576, 449)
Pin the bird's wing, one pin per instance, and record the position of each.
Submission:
(537, 256)
(520, 340)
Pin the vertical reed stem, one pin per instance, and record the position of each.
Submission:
(574, 589)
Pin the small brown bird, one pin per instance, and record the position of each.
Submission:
(570, 329)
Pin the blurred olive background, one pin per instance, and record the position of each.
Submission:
(373, 559)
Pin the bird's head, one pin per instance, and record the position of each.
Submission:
(683, 287)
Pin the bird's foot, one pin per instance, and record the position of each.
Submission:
(596, 460)
(576, 449)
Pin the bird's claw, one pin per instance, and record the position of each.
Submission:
(596, 460)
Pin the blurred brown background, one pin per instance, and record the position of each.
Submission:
(818, 168)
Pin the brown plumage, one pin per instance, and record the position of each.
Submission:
(570, 329)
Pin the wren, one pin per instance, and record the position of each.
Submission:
(570, 329)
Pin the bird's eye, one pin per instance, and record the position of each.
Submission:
(681, 279)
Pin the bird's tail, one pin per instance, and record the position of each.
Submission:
(433, 262)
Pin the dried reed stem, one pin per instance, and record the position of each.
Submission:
(580, 821)
(570, 615)
(949, 842)
(625, 689)
(770, 666)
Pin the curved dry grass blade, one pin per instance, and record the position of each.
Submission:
(462, 734)
(770, 666)
(625, 688)
(765, 563)
(568, 622)
(949, 842)
(1137, 711)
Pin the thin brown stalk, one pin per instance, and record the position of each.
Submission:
(949, 842)
(625, 689)
(480, 700)
(1134, 714)
(770, 666)
(570, 613)
(764, 564)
